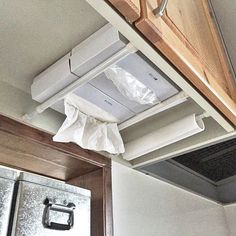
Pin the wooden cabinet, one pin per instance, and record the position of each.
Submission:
(187, 36)
(130, 9)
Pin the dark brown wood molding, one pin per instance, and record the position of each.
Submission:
(126, 8)
(21, 130)
(100, 184)
(26, 148)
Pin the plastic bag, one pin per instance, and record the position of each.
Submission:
(88, 132)
(130, 86)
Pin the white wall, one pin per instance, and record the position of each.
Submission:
(15, 103)
(230, 213)
(172, 173)
(144, 206)
(226, 190)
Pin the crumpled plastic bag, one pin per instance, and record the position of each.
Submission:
(88, 132)
(129, 86)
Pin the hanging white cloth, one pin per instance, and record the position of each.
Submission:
(88, 132)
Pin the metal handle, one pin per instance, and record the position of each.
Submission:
(52, 206)
(159, 11)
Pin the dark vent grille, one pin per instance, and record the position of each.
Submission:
(216, 162)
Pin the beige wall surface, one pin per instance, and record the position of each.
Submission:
(230, 213)
(144, 206)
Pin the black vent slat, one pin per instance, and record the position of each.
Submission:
(216, 162)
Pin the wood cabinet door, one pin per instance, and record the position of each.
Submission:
(130, 9)
(186, 34)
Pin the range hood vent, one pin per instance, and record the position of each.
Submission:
(216, 162)
(210, 171)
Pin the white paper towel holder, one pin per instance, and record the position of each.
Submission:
(172, 133)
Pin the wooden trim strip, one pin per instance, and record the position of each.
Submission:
(127, 8)
(107, 206)
(21, 130)
(100, 184)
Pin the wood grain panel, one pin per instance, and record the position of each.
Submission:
(130, 9)
(185, 36)
(39, 137)
(27, 155)
(193, 19)
(99, 182)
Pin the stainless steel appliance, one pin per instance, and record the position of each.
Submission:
(7, 181)
(47, 207)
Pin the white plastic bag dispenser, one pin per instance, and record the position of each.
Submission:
(106, 94)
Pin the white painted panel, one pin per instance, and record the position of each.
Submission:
(52, 80)
(106, 86)
(226, 190)
(34, 34)
(14, 102)
(94, 50)
(102, 45)
(152, 77)
(169, 171)
(148, 75)
(93, 101)
(159, 138)
(93, 95)
(230, 213)
(144, 206)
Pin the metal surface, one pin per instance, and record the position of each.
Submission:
(209, 172)
(48, 182)
(7, 181)
(216, 162)
(159, 11)
(66, 208)
(32, 205)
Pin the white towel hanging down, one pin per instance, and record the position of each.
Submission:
(88, 132)
(130, 87)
